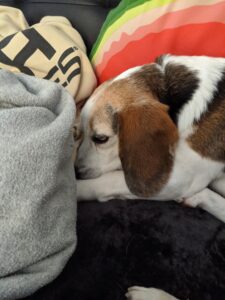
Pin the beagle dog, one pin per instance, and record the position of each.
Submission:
(157, 132)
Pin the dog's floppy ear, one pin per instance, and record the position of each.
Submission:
(146, 137)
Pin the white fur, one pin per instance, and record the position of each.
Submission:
(209, 201)
(209, 72)
(218, 185)
(191, 173)
(106, 187)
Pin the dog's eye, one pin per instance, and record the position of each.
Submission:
(100, 139)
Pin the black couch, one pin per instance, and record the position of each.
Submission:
(125, 243)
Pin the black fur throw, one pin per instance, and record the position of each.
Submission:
(153, 244)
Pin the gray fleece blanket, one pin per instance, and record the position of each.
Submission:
(37, 183)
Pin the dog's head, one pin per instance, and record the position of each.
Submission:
(124, 126)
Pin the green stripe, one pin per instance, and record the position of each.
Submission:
(114, 14)
(132, 10)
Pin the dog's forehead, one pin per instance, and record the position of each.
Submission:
(111, 94)
(93, 105)
(128, 73)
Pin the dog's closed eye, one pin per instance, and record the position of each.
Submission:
(100, 138)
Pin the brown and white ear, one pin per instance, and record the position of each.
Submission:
(146, 136)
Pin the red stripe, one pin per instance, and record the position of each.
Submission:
(196, 39)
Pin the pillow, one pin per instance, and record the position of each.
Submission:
(51, 49)
(136, 32)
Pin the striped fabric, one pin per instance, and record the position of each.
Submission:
(137, 31)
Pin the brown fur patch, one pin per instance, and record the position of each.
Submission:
(134, 89)
(146, 136)
(209, 136)
(180, 83)
(118, 95)
(150, 79)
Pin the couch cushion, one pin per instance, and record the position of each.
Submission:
(124, 243)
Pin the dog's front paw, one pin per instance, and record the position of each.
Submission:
(196, 200)
(193, 201)
(91, 189)
(137, 293)
(141, 293)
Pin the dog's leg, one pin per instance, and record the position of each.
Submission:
(141, 293)
(209, 201)
(218, 185)
(108, 186)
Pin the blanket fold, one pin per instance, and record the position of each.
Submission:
(37, 183)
